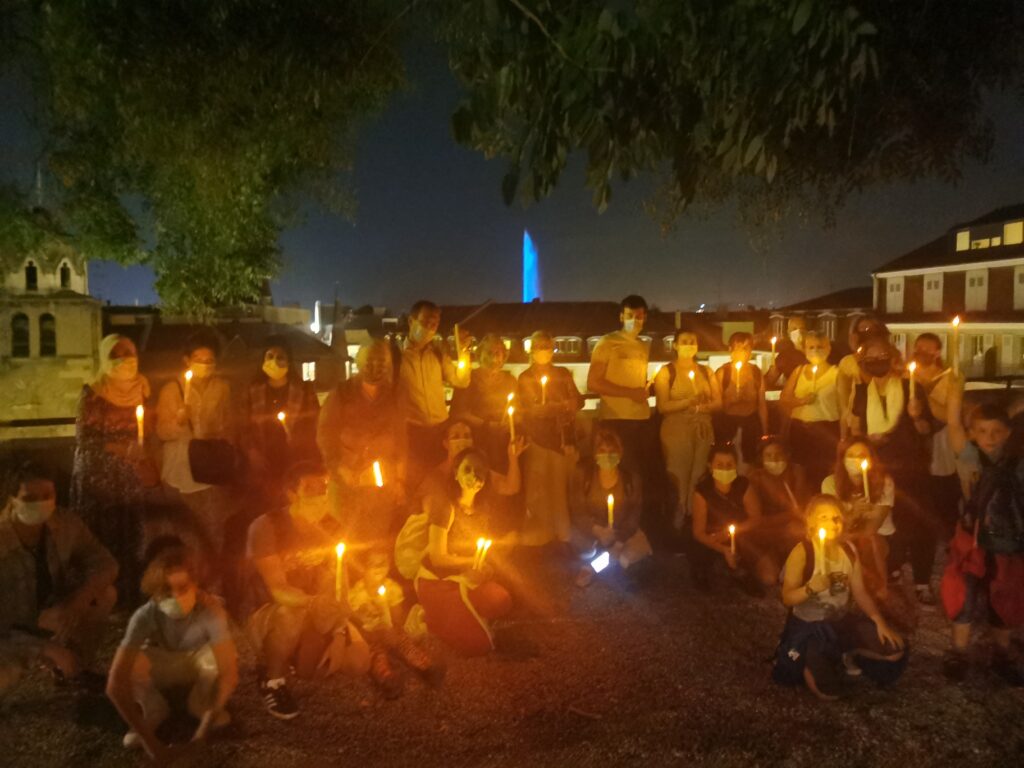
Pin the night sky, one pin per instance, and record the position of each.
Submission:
(431, 223)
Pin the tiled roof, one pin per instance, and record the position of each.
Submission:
(860, 297)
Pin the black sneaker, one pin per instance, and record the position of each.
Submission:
(278, 700)
(1005, 668)
(955, 666)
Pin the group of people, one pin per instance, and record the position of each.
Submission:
(339, 535)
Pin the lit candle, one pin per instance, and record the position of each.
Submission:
(512, 423)
(188, 383)
(732, 539)
(864, 474)
(543, 390)
(739, 368)
(814, 378)
(140, 428)
(774, 340)
(339, 572)
(458, 350)
(486, 549)
(478, 558)
(822, 568)
(913, 387)
(378, 476)
(955, 353)
(611, 511)
(385, 609)
(281, 416)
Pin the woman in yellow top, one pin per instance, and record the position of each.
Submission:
(811, 397)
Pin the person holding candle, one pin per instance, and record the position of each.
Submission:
(782, 490)
(606, 500)
(862, 328)
(179, 639)
(867, 495)
(111, 472)
(985, 564)
(360, 423)
(687, 395)
(900, 428)
(812, 401)
(821, 634)
(200, 407)
(790, 352)
(274, 445)
(743, 405)
(296, 618)
(723, 498)
(549, 426)
(437, 546)
(424, 369)
(377, 609)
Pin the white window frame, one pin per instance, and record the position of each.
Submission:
(309, 371)
(568, 346)
(894, 295)
(1018, 287)
(976, 290)
(931, 299)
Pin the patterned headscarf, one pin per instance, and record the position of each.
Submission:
(124, 393)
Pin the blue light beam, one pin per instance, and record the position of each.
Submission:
(531, 270)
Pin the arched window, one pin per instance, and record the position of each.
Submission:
(19, 336)
(31, 277)
(65, 275)
(47, 336)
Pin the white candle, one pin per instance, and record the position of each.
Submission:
(739, 368)
(339, 570)
(188, 383)
(543, 390)
(486, 549)
(385, 609)
(864, 475)
(913, 386)
(458, 350)
(512, 423)
(814, 378)
(140, 428)
(732, 539)
(822, 566)
(774, 340)
(478, 558)
(378, 476)
(611, 510)
(955, 354)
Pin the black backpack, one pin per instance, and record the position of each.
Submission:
(996, 506)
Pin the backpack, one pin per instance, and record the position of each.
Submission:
(996, 507)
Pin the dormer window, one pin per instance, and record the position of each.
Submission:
(1013, 233)
(31, 277)
(65, 276)
(963, 240)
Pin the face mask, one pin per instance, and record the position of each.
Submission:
(202, 370)
(312, 509)
(925, 360)
(273, 370)
(686, 350)
(542, 356)
(815, 357)
(724, 476)
(629, 326)
(457, 446)
(797, 337)
(775, 467)
(852, 467)
(876, 367)
(469, 480)
(607, 460)
(171, 608)
(124, 368)
(417, 333)
(34, 512)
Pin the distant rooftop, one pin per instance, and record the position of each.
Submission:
(859, 297)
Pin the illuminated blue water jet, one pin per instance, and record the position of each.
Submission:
(531, 270)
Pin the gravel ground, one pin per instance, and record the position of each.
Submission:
(612, 675)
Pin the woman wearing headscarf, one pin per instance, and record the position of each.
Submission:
(111, 468)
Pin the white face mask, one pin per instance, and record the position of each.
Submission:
(775, 467)
(274, 371)
(202, 370)
(171, 608)
(629, 325)
(34, 512)
(797, 337)
(816, 357)
(686, 350)
(724, 476)
(124, 368)
(852, 467)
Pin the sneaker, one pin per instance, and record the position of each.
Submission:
(850, 665)
(1006, 669)
(278, 700)
(955, 666)
(925, 596)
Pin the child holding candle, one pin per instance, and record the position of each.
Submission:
(297, 619)
(687, 394)
(820, 631)
(986, 554)
(867, 517)
(743, 405)
(111, 470)
(383, 631)
(723, 498)
(592, 484)
(549, 425)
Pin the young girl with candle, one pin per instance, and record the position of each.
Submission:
(821, 633)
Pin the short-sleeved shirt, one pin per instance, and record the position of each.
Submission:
(887, 499)
(723, 509)
(366, 605)
(464, 527)
(149, 627)
(626, 358)
(831, 604)
(307, 552)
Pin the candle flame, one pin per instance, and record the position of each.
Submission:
(510, 396)
(913, 367)
(381, 590)
(378, 476)
(822, 534)
(739, 364)
(864, 465)
(774, 340)
(480, 543)
(188, 375)
(139, 412)
(339, 550)
(814, 370)
(691, 375)
(511, 410)
(462, 364)
(543, 380)
(956, 321)
(732, 530)
(281, 416)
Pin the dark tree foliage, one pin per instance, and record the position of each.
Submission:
(181, 133)
(771, 100)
